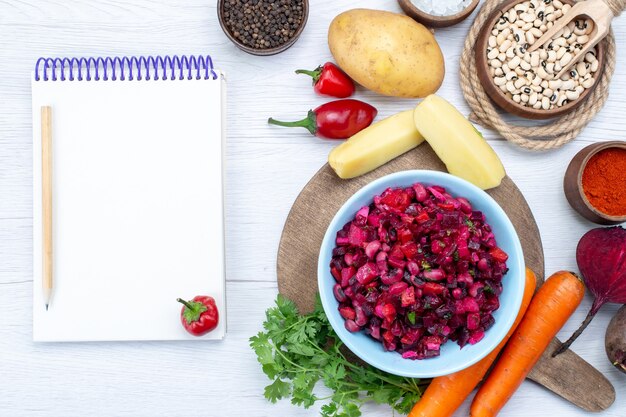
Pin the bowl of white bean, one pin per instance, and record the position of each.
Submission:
(526, 84)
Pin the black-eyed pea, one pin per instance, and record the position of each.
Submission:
(495, 63)
(572, 95)
(499, 81)
(510, 87)
(565, 59)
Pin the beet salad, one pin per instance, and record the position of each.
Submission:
(417, 268)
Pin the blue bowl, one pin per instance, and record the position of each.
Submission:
(452, 357)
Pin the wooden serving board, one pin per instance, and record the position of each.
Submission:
(567, 375)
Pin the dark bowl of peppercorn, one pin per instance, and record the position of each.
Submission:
(263, 27)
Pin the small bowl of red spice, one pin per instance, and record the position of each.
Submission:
(595, 182)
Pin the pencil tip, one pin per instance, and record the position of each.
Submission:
(46, 307)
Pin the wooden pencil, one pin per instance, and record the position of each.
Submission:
(46, 172)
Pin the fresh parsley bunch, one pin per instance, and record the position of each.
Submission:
(298, 351)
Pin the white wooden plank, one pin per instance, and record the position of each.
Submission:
(267, 167)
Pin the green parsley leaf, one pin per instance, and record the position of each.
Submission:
(277, 390)
(411, 316)
(298, 351)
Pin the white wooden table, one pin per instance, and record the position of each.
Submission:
(267, 167)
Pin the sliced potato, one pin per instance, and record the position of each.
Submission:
(375, 146)
(457, 143)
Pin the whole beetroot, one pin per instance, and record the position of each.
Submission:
(601, 258)
(615, 340)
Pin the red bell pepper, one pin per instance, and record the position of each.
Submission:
(330, 80)
(199, 316)
(337, 119)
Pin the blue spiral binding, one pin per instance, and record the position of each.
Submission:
(126, 68)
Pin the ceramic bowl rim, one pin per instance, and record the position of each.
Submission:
(481, 349)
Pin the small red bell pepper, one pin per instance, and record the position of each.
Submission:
(199, 316)
(337, 119)
(330, 80)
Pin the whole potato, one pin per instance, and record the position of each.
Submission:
(387, 52)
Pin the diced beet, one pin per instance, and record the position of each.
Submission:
(470, 305)
(366, 273)
(473, 321)
(409, 250)
(361, 216)
(491, 303)
(486, 321)
(378, 310)
(396, 252)
(389, 311)
(396, 328)
(357, 235)
(408, 297)
(405, 235)
(396, 263)
(347, 313)
(498, 254)
(346, 274)
(464, 205)
(432, 288)
(440, 270)
(483, 265)
(410, 354)
(348, 292)
(476, 336)
(420, 192)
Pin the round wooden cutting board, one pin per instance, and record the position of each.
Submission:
(568, 375)
(320, 199)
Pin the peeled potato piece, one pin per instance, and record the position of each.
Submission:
(375, 146)
(457, 143)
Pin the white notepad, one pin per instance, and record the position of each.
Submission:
(137, 197)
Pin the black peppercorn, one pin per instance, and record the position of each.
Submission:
(263, 24)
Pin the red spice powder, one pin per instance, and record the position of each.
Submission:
(604, 181)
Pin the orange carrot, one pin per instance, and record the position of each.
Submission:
(446, 393)
(554, 303)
